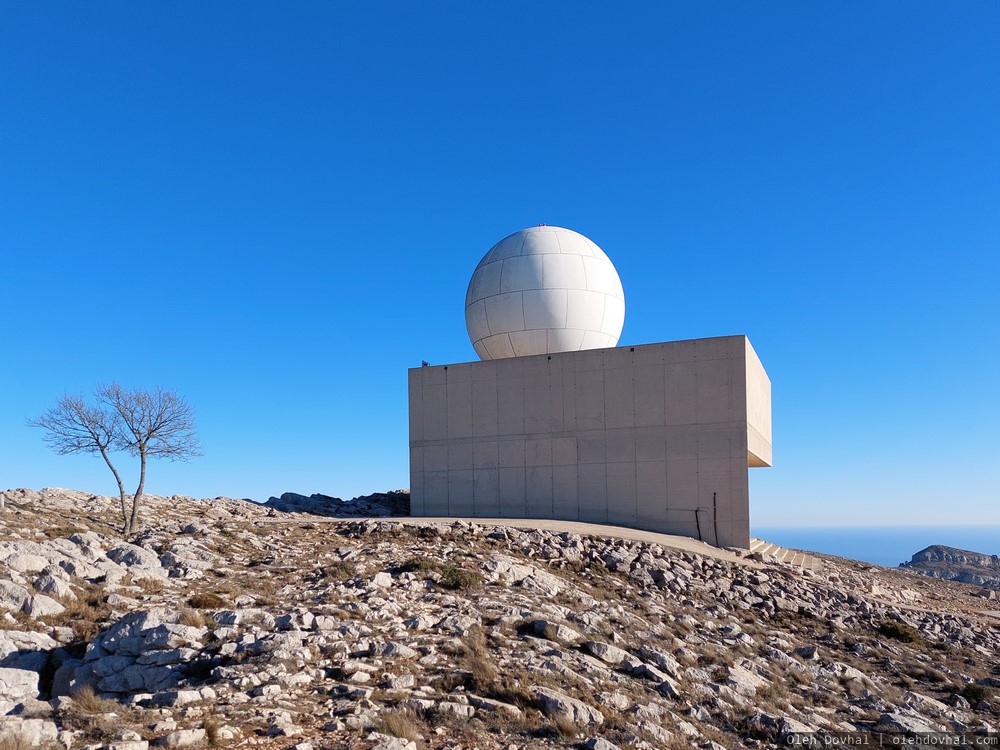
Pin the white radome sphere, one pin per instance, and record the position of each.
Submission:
(543, 290)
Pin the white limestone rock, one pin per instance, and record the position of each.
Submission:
(47, 583)
(42, 606)
(606, 652)
(15, 686)
(182, 738)
(13, 597)
(559, 705)
(26, 563)
(33, 732)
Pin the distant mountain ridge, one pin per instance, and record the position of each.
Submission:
(963, 566)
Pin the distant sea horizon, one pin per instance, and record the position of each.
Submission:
(887, 546)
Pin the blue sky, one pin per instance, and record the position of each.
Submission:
(275, 209)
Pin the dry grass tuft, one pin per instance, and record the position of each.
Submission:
(207, 600)
(211, 725)
(96, 717)
(564, 727)
(87, 615)
(87, 703)
(191, 617)
(402, 724)
(10, 742)
(339, 571)
(150, 585)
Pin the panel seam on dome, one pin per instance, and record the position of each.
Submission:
(523, 319)
(523, 330)
(550, 289)
(520, 250)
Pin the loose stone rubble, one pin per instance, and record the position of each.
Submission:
(227, 623)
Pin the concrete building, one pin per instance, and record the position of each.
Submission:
(656, 437)
(554, 424)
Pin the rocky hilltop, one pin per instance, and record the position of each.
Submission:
(395, 503)
(949, 563)
(227, 623)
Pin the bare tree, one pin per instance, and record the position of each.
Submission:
(153, 424)
(144, 423)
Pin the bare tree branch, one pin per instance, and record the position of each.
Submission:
(73, 427)
(158, 423)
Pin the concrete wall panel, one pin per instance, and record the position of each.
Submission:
(564, 452)
(415, 395)
(622, 508)
(435, 487)
(460, 493)
(714, 393)
(538, 491)
(650, 491)
(568, 394)
(485, 418)
(486, 454)
(436, 457)
(650, 443)
(417, 493)
(565, 493)
(537, 404)
(486, 492)
(590, 408)
(716, 443)
(538, 452)
(459, 410)
(681, 393)
(650, 396)
(592, 484)
(619, 398)
(460, 455)
(510, 412)
(682, 442)
(591, 448)
(511, 453)
(512, 490)
(620, 445)
(435, 411)
(682, 484)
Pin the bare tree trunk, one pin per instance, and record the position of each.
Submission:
(133, 524)
(121, 490)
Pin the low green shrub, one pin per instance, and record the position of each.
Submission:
(899, 631)
(460, 579)
(975, 693)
